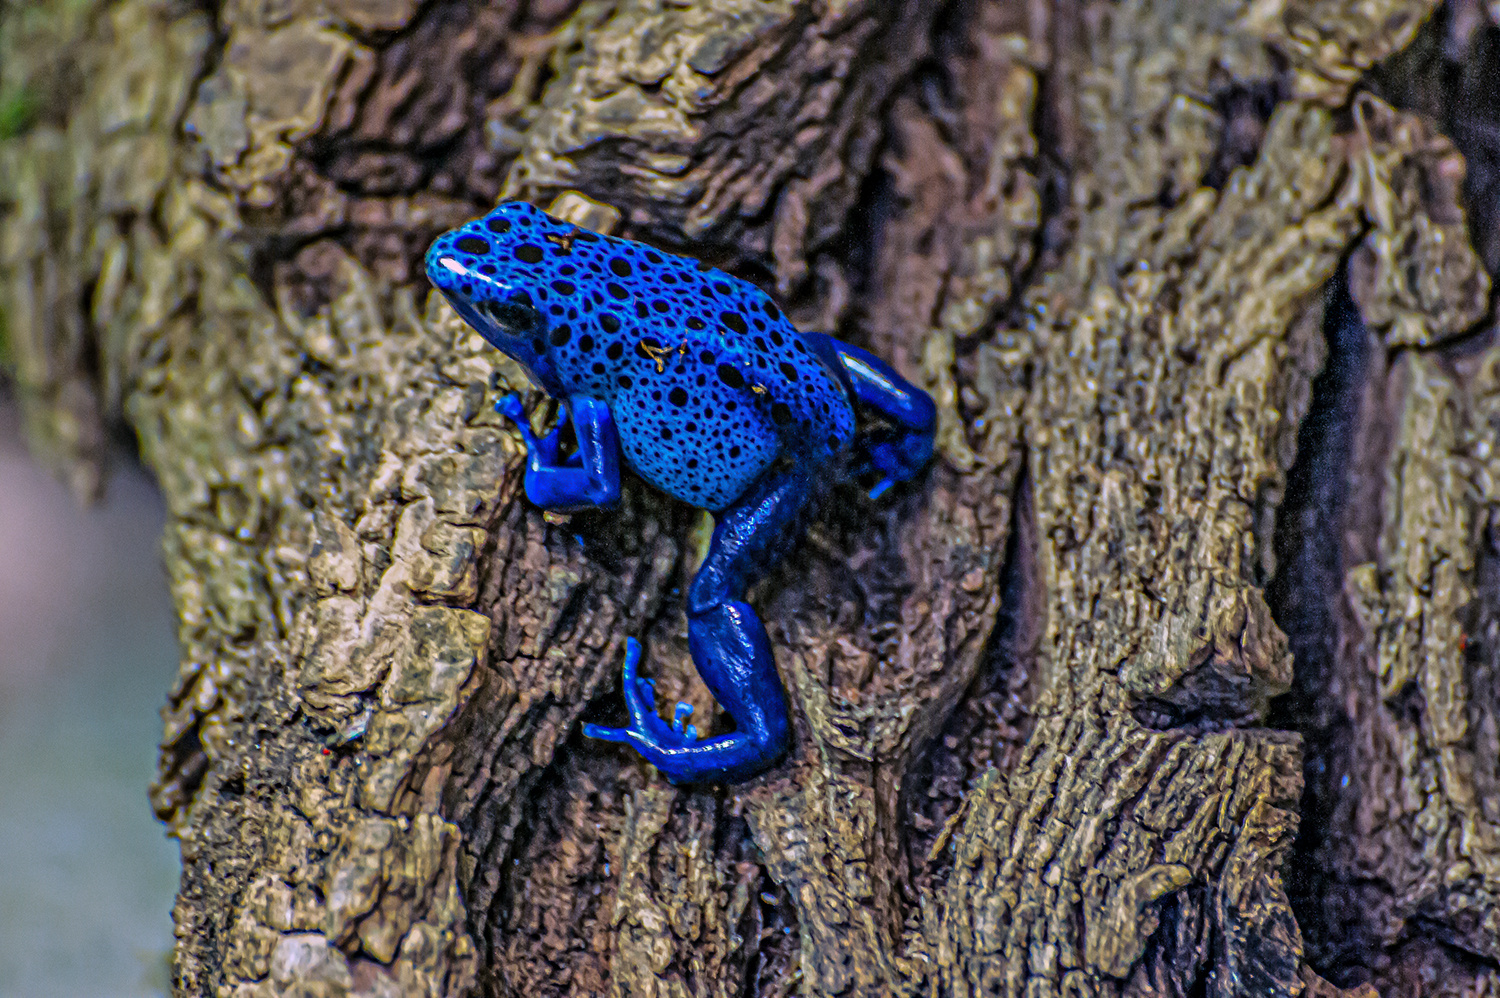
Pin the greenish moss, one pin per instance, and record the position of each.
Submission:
(18, 110)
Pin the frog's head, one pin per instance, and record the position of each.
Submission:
(489, 269)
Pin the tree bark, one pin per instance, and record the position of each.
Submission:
(1175, 676)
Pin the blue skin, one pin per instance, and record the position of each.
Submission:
(705, 389)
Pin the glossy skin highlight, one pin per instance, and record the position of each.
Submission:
(702, 386)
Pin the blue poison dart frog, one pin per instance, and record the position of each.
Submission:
(710, 394)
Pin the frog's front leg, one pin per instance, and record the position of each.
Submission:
(728, 644)
(899, 453)
(591, 478)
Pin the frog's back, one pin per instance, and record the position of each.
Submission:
(706, 379)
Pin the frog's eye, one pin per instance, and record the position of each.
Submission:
(510, 316)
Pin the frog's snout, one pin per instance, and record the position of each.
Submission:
(444, 267)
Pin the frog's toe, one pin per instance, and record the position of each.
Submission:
(682, 713)
(640, 692)
(511, 408)
(656, 742)
(605, 734)
(896, 460)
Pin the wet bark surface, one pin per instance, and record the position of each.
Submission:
(1175, 675)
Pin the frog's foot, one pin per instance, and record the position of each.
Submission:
(646, 727)
(588, 478)
(541, 451)
(895, 458)
(675, 748)
(899, 452)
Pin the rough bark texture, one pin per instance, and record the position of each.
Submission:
(1178, 675)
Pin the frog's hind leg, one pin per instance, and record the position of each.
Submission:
(898, 453)
(728, 644)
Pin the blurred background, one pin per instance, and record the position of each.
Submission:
(87, 655)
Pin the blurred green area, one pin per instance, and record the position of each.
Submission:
(89, 639)
(18, 110)
(44, 47)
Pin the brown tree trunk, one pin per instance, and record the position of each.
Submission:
(1212, 547)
